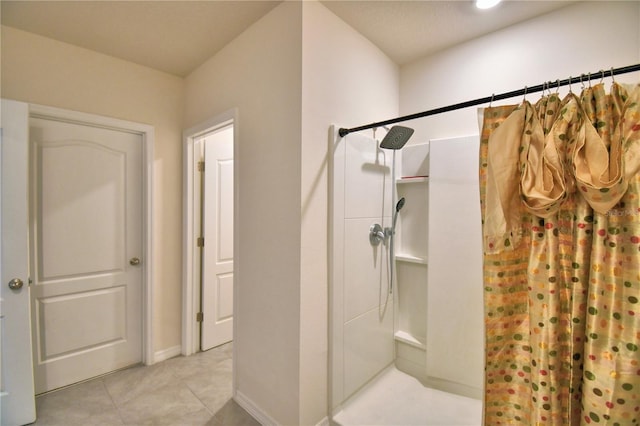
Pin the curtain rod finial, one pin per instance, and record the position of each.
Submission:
(343, 132)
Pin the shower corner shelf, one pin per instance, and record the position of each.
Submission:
(413, 179)
(411, 259)
(409, 339)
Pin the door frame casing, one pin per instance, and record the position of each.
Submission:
(147, 133)
(18, 394)
(190, 295)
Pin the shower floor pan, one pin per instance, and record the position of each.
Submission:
(395, 398)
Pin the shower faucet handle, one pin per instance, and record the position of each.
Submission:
(377, 234)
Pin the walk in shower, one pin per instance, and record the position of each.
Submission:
(381, 371)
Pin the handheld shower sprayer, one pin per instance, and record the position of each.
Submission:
(399, 206)
(392, 232)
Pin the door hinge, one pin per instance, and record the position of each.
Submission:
(201, 166)
(200, 242)
(199, 317)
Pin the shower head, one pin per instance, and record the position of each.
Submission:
(400, 204)
(396, 137)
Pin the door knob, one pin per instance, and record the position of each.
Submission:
(134, 261)
(16, 284)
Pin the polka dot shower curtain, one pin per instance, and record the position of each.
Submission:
(560, 191)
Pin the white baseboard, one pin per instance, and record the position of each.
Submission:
(263, 418)
(167, 353)
(455, 388)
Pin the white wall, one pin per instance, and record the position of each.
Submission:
(260, 73)
(455, 340)
(580, 38)
(346, 81)
(286, 77)
(40, 70)
(291, 74)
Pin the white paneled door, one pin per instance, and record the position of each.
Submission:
(16, 373)
(217, 265)
(86, 250)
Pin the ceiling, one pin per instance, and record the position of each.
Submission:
(178, 36)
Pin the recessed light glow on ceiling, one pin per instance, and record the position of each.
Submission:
(486, 4)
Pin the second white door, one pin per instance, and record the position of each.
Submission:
(217, 259)
(86, 249)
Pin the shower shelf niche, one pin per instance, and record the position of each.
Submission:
(411, 259)
(413, 179)
(411, 262)
(409, 339)
(412, 226)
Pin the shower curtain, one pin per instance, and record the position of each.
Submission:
(560, 199)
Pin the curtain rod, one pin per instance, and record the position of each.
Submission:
(521, 92)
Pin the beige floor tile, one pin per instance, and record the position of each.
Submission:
(87, 403)
(231, 414)
(127, 384)
(157, 406)
(182, 391)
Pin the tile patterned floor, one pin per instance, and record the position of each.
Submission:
(182, 391)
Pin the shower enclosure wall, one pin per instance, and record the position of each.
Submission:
(371, 329)
(362, 308)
